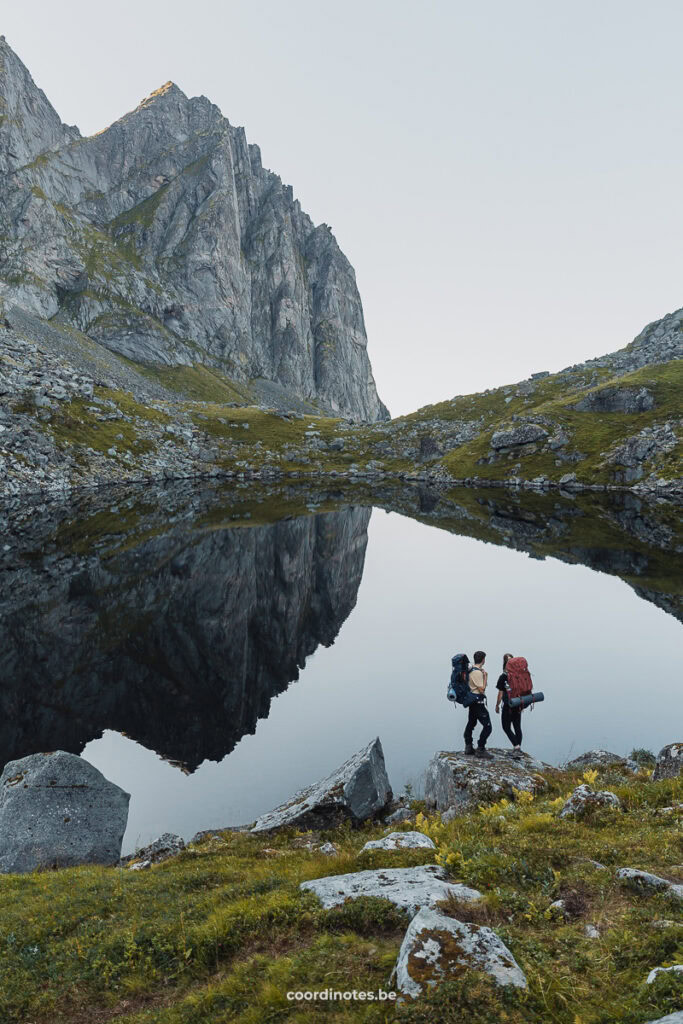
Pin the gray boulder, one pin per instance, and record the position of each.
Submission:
(407, 888)
(585, 800)
(634, 878)
(401, 841)
(437, 948)
(356, 791)
(454, 780)
(56, 810)
(669, 762)
(671, 1018)
(528, 433)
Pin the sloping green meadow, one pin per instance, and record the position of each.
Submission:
(223, 933)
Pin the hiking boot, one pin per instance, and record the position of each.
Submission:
(483, 753)
(469, 749)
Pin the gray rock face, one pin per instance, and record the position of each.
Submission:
(671, 1018)
(634, 878)
(356, 791)
(669, 762)
(585, 800)
(401, 841)
(528, 433)
(407, 888)
(437, 948)
(454, 780)
(615, 399)
(56, 810)
(164, 238)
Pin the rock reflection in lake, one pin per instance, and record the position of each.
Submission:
(156, 620)
(176, 614)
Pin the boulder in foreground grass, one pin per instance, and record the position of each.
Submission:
(57, 810)
(669, 762)
(407, 888)
(437, 948)
(454, 780)
(356, 791)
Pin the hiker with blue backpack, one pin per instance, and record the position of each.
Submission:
(468, 687)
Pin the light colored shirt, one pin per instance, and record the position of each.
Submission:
(478, 680)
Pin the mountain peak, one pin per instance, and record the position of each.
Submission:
(167, 89)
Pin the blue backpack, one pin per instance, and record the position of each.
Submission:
(459, 686)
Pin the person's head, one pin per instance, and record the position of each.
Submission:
(479, 657)
(506, 658)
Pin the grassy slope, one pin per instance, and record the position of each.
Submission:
(222, 932)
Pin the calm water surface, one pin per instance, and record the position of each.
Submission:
(202, 641)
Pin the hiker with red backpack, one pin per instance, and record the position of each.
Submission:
(515, 693)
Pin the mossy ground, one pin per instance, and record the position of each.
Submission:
(222, 932)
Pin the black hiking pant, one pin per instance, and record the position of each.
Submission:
(511, 720)
(478, 713)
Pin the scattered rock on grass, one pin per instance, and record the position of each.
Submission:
(671, 1018)
(437, 948)
(669, 762)
(329, 849)
(407, 888)
(585, 800)
(643, 880)
(399, 841)
(167, 845)
(675, 969)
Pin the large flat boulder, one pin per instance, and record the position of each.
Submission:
(356, 791)
(401, 841)
(407, 888)
(438, 948)
(56, 810)
(634, 878)
(455, 780)
(669, 762)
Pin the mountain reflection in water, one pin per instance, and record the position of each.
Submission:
(175, 614)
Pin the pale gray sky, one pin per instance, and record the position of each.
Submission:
(504, 176)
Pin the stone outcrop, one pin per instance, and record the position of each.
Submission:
(669, 762)
(165, 239)
(161, 849)
(654, 974)
(585, 801)
(401, 841)
(599, 759)
(617, 399)
(438, 948)
(56, 810)
(407, 888)
(514, 437)
(642, 881)
(460, 783)
(359, 789)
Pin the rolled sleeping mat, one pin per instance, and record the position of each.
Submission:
(526, 700)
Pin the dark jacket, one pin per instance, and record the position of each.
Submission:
(502, 685)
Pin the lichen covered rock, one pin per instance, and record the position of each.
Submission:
(438, 948)
(454, 780)
(585, 800)
(401, 841)
(669, 762)
(407, 888)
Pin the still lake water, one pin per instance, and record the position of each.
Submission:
(374, 603)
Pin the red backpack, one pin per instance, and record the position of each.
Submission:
(519, 679)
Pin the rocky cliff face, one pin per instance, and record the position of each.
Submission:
(143, 620)
(165, 239)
